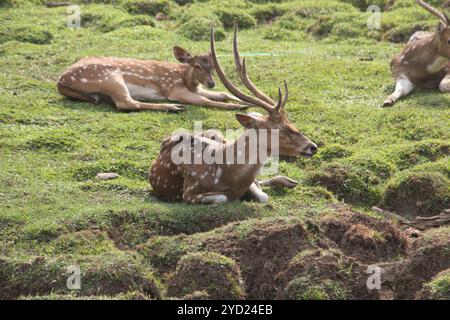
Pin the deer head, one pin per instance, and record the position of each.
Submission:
(202, 66)
(292, 142)
(442, 30)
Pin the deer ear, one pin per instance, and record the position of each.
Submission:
(441, 27)
(182, 55)
(247, 120)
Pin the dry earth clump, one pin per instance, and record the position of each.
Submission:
(209, 272)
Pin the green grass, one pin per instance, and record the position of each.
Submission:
(51, 148)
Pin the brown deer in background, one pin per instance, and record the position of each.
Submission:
(127, 82)
(221, 182)
(424, 61)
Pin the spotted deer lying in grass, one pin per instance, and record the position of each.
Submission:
(424, 61)
(128, 82)
(214, 182)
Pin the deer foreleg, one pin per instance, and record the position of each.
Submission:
(279, 182)
(403, 87)
(444, 86)
(188, 97)
(204, 198)
(257, 194)
(217, 96)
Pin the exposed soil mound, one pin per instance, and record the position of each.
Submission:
(344, 182)
(261, 248)
(418, 194)
(292, 258)
(121, 274)
(324, 274)
(431, 256)
(213, 273)
(365, 238)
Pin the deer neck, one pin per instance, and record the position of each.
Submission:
(250, 155)
(437, 61)
(189, 78)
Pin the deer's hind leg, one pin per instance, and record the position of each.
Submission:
(73, 94)
(403, 86)
(116, 88)
(205, 198)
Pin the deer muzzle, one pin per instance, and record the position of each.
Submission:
(309, 150)
(211, 84)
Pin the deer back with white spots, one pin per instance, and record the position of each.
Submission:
(134, 84)
(200, 180)
(424, 61)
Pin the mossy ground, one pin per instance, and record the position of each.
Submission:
(51, 148)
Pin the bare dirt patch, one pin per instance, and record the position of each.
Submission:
(368, 239)
(262, 249)
(324, 274)
(431, 255)
(286, 258)
(215, 274)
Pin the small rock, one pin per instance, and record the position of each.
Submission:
(106, 175)
(161, 16)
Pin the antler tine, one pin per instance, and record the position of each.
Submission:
(242, 71)
(446, 18)
(434, 11)
(286, 95)
(282, 100)
(230, 87)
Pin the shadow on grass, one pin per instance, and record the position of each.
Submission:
(428, 98)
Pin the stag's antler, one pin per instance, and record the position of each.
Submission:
(260, 99)
(441, 15)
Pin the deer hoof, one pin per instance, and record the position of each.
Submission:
(388, 103)
(291, 183)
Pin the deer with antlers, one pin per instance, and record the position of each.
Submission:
(219, 182)
(129, 82)
(424, 61)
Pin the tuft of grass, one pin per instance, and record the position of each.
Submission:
(164, 252)
(198, 28)
(216, 274)
(439, 287)
(304, 288)
(355, 179)
(229, 17)
(96, 17)
(333, 151)
(31, 34)
(149, 7)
